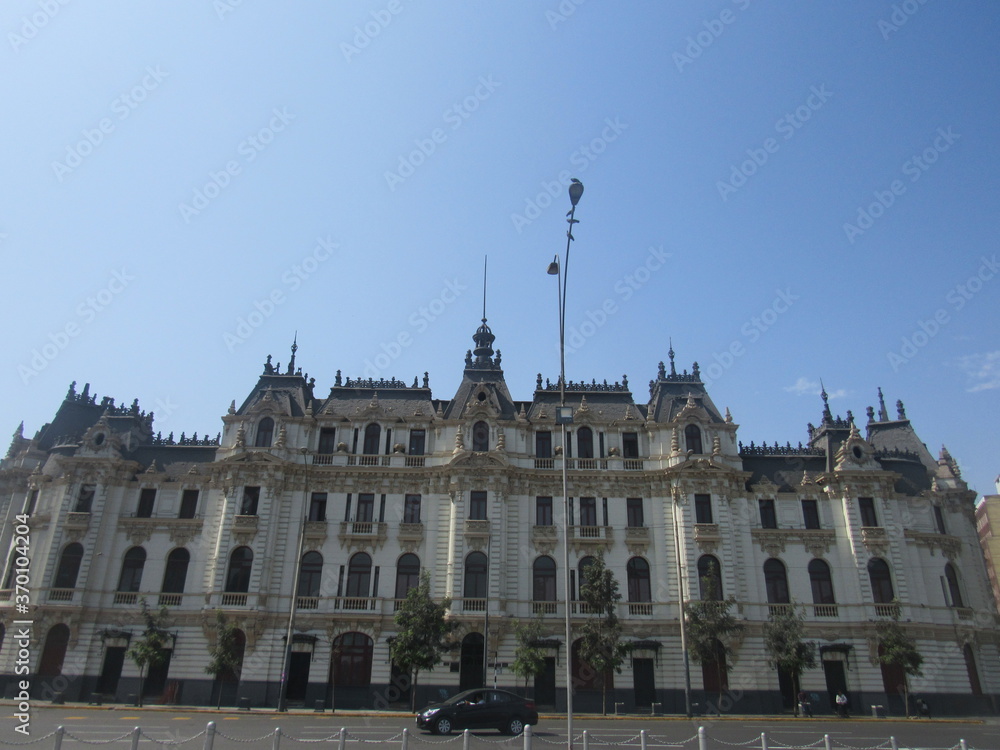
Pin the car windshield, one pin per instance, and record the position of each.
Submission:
(469, 696)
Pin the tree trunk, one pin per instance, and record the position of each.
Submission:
(906, 694)
(413, 691)
(796, 689)
(604, 692)
(142, 684)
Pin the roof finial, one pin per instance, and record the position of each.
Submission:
(673, 370)
(827, 416)
(295, 348)
(883, 415)
(485, 259)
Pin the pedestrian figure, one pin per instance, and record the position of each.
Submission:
(805, 706)
(842, 704)
(923, 709)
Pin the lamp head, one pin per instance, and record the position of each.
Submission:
(575, 191)
(554, 267)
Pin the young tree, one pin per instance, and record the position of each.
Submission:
(785, 647)
(897, 649)
(422, 627)
(529, 658)
(224, 656)
(148, 650)
(600, 637)
(711, 629)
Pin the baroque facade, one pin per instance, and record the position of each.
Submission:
(354, 493)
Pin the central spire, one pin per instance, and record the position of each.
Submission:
(484, 339)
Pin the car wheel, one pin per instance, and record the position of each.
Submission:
(514, 726)
(442, 725)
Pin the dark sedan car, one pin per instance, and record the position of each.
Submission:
(482, 708)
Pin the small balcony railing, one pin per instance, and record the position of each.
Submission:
(356, 603)
(544, 608)
(61, 595)
(307, 602)
(887, 610)
(126, 597)
(414, 462)
(169, 600)
(825, 610)
(640, 609)
(545, 463)
(473, 605)
(233, 600)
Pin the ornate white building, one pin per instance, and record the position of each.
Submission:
(360, 489)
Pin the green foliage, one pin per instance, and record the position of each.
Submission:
(422, 628)
(529, 658)
(224, 657)
(899, 650)
(711, 628)
(601, 643)
(785, 647)
(148, 651)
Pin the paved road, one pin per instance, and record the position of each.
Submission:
(235, 730)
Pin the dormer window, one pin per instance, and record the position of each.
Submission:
(372, 434)
(265, 432)
(480, 437)
(585, 442)
(692, 437)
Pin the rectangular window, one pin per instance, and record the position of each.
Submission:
(703, 509)
(147, 497)
(381, 509)
(85, 499)
(411, 509)
(867, 507)
(630, 445)
(317, 506)
(29, 505)
(768, 518)
(327, 440)
(588, 511)
(366, 508)
(417, 438)
(939, 520)
(543, 445)
(189, 504)
(633, 507)
(477, 505)
(543, 511)
(251, 496)
(810, 514)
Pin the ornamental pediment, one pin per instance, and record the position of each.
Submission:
(251, 456)
(477, 460)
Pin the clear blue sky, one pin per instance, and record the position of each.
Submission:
(813, 186)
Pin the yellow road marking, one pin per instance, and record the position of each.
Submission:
(181, 718)
(230, 718)
(74, 717)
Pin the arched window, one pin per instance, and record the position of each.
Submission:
(951, 576)
(475, 576)
(69, 566)
(776, 582)
(238, 575)
(480, 437)
(709, 578)
(407, 574)
(373, 434)
(175, 573)
(359, 574)
(352, 654)
(822, 582)
(637, 573)
(585, 443)
(265, 431)
(692, 437)
(132, 565)
(544, 579)
(878, 574)
(310, 574)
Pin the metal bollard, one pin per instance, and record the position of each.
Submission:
(763, 741)
(277, 738)
(702, 739)
(892, 741)
(527, 737)
(404, 745)
(586, 740)
(642, 739)
(209, 735)
(60, 731)
(135, 738)
(343, 738)
(826, 742)
(465, 740)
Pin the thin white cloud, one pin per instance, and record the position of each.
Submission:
(807, 387)
(982, 370)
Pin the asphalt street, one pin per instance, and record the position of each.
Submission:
(88, 727)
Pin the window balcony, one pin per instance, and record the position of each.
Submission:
(477, 527)
(589, 537)
(315, 531)
(355, 603)
(61, 595)
(307, 602)
(887, 610)
(824, 610)
(77, 521)
(411, 532)
(473, 605)
(126, 597)
(640, 609)
(170, 600)
(233, 599)
(544, 608)
(368, 532)
(545, 463)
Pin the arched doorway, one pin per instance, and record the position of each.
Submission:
(351, 670)
(472, 674)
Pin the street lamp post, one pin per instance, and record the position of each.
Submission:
(564, 416)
